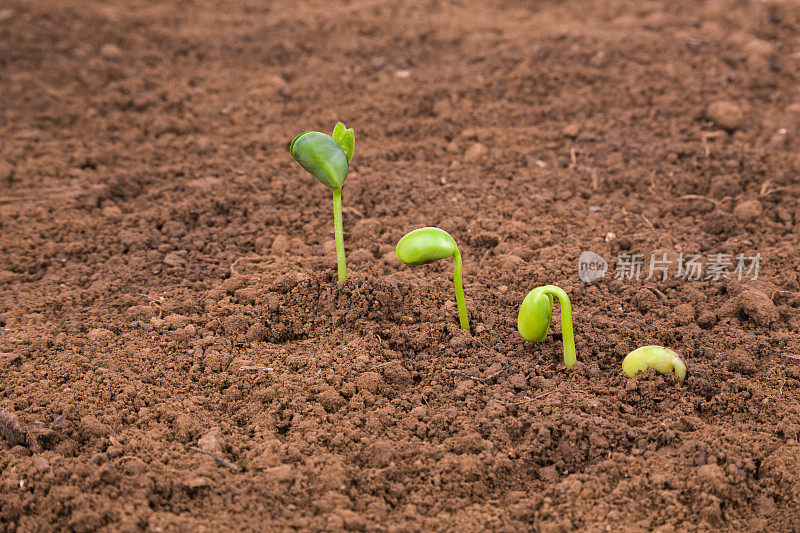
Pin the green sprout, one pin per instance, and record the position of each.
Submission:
(533, 320)
(328, 158)
(426, 245)
(662, 359)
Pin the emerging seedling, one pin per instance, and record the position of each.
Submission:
(662, 359)
(533, 320)
(426, 245)
(327, 158)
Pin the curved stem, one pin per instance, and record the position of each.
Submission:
(338, 234)
(462, 305)
(570, 356)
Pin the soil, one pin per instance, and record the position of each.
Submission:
(177, 355)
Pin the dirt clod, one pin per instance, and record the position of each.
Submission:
(759, 307)
(397, 375)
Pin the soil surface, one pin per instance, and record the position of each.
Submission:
(177, 355)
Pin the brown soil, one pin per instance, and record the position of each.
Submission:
(178, 356)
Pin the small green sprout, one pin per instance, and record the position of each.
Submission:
(426, 245)
(328, 158)
(533, 320)
(662, 359)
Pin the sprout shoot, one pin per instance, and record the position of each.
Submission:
(328, 159)
(662, 359)
(533, 320)
(426, 245)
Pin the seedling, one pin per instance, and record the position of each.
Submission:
(533, 320)
(426, 245)
(662, 359)
(328, 158)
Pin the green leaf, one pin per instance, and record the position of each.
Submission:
(338, 129)
(319, 154)
(346, 138)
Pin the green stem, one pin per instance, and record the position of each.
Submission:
(462, 305)
(568, 337)
(338, 234)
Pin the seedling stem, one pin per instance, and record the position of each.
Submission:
(460, 302)
(338, 234)
(567, 336)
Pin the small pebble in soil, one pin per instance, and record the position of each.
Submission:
(748, 210)
(571, 130)
(360, 256)
(209, 443)
(475, 152)
(111, 51)
(100, 334)
(328, 247)
(726, 114)
(280, 245)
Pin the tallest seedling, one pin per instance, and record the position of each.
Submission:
(328, 158)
